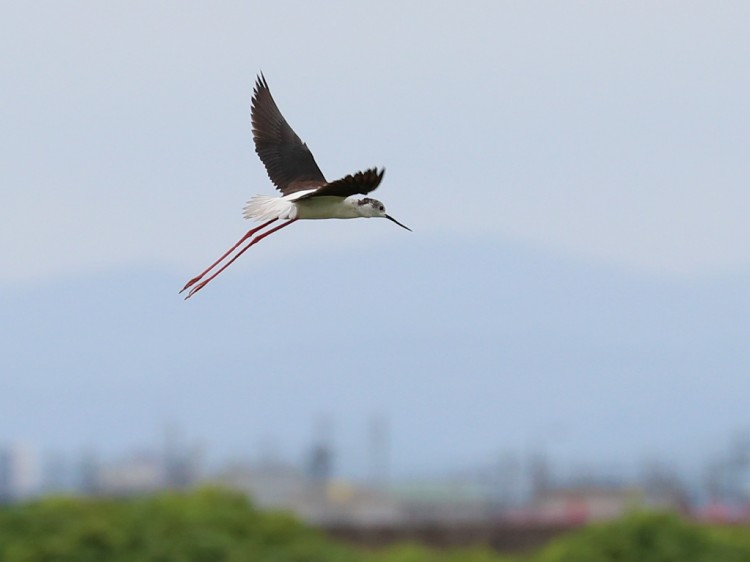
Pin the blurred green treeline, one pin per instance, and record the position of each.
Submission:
(210, 525)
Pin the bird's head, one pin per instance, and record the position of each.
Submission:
(374, 208)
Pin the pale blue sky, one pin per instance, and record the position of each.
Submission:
(614, 132)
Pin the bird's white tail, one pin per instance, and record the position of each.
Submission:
(265, 208)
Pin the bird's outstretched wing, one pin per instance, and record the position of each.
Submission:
(361, 182)
(288, 161)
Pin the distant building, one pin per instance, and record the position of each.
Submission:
(344, 502)
(87, 476)
(55, 476)
(451, 500)
(175, 466)
(581, 504)
(378, 444)
(320, 463)
(136, 474)
(269, 484)
(20, 476)
(279, 486)
(181, 461)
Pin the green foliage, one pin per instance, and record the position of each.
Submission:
(649, 537)
(418, 553)
(205, 526)
(735, 537)
(211, 525)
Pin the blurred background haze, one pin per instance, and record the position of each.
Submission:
(575, 290)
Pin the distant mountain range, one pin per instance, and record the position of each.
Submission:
(468, 349)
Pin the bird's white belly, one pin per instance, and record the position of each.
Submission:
(327, 208)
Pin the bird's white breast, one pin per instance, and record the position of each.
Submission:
(328, 208)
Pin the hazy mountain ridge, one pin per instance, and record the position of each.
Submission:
(423, 333)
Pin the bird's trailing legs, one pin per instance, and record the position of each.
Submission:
(247, 235)
(255, 240)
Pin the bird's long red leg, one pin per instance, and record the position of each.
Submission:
(255, 240)
(249, 233)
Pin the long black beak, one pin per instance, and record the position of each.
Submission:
(390, 218)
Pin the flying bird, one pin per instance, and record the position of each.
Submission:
(305, 192)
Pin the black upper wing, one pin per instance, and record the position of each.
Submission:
(288, 161)
(361, 182)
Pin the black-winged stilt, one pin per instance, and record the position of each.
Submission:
(305, 192)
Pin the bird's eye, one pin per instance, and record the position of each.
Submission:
(381, 208)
